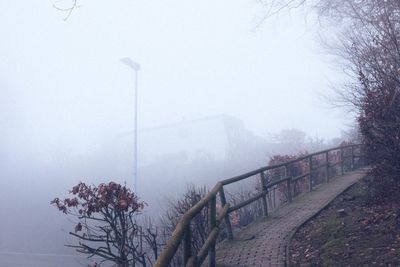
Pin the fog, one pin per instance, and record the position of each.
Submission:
(208, 69)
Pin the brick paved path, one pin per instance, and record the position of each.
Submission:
(263, 243)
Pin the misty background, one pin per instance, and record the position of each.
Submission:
(216, 88)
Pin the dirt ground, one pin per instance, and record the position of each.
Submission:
(366, 233)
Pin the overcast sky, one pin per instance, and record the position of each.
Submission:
(64, 91)
(62, 80)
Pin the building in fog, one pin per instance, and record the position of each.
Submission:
(209, 138)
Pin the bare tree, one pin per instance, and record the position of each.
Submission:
(176, 210)
(68, 9)
(370, 44)
(367, 39)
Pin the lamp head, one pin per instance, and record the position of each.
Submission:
(130, 63)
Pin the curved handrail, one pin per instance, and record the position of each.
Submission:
(182, 229)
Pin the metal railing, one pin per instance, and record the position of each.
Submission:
(182, 232)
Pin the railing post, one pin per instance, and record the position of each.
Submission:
(187, 245)
(352, 157)
(212, 223)
(327, 166)
(362, 155)
(264, 189)
(226, 218)
(288, 181)
(342, 160)
(310, 170)
(273, 197)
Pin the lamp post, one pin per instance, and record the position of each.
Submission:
(136, 67)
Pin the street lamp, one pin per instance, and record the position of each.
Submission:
(136, 67)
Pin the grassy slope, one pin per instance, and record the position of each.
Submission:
(368, 235)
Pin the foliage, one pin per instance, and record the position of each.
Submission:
(295, 169)
(199, 224)
(106, 224)
(301, 167)
(366, 38)
(248, 213)
(372, 47)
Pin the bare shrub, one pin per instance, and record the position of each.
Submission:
(106, 225)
